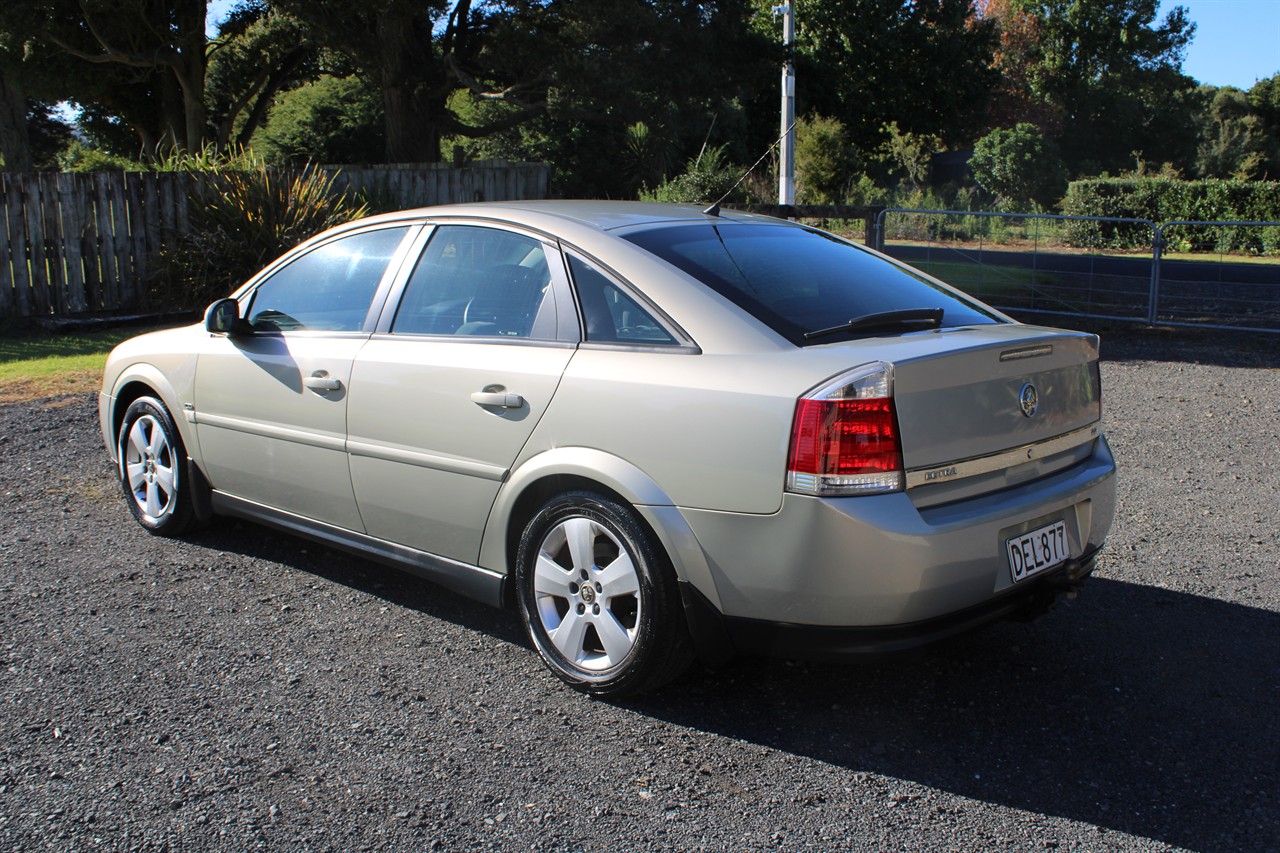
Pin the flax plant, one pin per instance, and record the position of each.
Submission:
(238, 221)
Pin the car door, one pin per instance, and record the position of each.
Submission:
(447, 392)
(271, 404)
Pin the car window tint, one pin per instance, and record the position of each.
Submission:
(796, 280)
(473, 280)
(329, 288)
(609, 313)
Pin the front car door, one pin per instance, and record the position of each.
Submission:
(271, 405)
(448, 390)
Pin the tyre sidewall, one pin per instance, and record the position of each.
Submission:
(635, 670)
(179, 515)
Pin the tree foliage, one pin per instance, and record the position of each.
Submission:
(1019, 166)
(1110, 74)
(924, 65)
(621, 95)
(826, 161)
(420, 53)
(331, 120)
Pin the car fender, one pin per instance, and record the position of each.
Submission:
(649, 500)
(151, 376)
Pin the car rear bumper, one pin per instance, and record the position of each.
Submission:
(881, 563)
(719, 637)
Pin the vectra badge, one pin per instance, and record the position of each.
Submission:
(1028, 400)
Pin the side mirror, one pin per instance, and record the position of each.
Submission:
(223, 317)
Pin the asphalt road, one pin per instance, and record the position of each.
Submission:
(246, 690)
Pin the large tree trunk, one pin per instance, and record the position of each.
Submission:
(413, 127)
(414, 102)
(15, 140)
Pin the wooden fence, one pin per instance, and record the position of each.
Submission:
(77, 243)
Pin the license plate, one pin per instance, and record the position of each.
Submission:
(1037, 551)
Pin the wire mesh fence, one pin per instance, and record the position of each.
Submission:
(1220, 275)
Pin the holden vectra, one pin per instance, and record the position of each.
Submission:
(655, 432)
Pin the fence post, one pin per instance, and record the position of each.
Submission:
(1157, 251)
(870, 232)
(877, 241)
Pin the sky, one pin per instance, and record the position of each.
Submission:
(1237, 42)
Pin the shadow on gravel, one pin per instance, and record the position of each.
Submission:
(1133, 708)
(389, 584)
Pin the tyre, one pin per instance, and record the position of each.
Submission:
(153, 468)
(599, 597)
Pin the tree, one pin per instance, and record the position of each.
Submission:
(1019, 166)
(694, 73)
(332, 120)
(258, 52)
(145, 73)
(1114, 77)
(825, 161)
(1234, 141)
(15, 141)
(27, 88)
(161, 42)
(1264, 98)
(1013, 98)
(924, 65)
(420, 53)
(912, 153)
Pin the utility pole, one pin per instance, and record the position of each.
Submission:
(787, 165)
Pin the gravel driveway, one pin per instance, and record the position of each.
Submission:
(242, 689)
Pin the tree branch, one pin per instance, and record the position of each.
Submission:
(505, 123)
(508, 95)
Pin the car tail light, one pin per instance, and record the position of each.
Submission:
(844, 437)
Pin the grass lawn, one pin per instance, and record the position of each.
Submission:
(33, 367)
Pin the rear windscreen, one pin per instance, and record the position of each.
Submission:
(795, 280)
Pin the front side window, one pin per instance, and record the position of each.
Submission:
(795, 280)
(329, 288)
(477, 281)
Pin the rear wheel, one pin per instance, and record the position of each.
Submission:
(599, 598)
(152, 468)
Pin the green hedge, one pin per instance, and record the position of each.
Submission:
(1163, 200)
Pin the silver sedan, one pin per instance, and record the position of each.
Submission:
(654, 431)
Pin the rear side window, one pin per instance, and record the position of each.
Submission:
(609, 314)
(795, 280)
(329, 288)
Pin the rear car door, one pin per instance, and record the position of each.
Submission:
(271, 405)
(448, 390)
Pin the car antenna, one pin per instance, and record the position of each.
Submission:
(714, 209)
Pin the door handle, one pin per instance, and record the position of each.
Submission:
(497, 398)
(321, 381)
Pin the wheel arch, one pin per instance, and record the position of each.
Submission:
(144, 380)
(564, 469)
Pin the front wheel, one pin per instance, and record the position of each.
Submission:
(152, 468)
(599, 598)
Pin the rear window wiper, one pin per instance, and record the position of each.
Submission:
(910, 318)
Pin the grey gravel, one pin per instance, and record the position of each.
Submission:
(243, 690)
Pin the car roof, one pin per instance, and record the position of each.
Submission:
(551, 215)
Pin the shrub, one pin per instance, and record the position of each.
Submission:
(1163, 200)
(239, 221)
(1019, 166)
(825, 161)
(704, 180)
(78, 157)
(332, 120)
